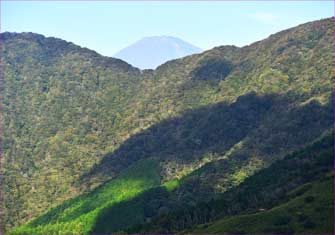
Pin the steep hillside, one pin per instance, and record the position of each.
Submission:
(283, 198)
(309, 213)
(53, 95)
(289, 191)
(76, 120)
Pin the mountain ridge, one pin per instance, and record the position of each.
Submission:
(39, 37)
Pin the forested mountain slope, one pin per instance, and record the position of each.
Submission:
(287, 194)
(75, 120)
(309, 212)
(283, 198)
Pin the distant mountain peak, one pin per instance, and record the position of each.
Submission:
(152, 51)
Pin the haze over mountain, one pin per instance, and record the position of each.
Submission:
(150, 52)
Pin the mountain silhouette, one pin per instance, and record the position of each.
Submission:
(150, 52)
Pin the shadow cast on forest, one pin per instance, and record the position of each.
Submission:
(212, 129)
(217, 128)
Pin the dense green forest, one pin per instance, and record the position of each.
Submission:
(94, 145)
(287, 193)
(285, 189)
(300, 215)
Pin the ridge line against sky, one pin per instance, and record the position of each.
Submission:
(107, 27)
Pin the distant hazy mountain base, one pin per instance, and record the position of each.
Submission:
(199, 145)
(150, 52)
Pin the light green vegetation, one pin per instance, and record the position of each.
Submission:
(171, 185)
(78, 216)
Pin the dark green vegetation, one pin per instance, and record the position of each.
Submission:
(76, 124)
(299, 215)
(297, 189)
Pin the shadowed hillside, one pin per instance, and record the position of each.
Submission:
(283, 198)
(223, 131)
(224, 171)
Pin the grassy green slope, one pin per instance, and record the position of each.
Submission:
(312, 212)
(78, 216)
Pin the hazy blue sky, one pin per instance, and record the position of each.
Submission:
(109, 26)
